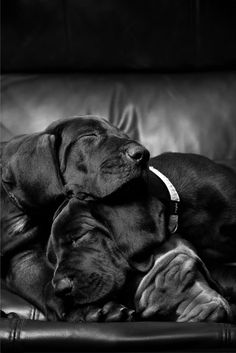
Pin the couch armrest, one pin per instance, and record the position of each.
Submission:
(40, 336)
(12, 304)
(22, 329)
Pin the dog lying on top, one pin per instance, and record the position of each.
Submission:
(114, 230)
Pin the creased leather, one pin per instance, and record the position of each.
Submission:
(184, 113)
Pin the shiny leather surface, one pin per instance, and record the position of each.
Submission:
(44, 336)
(12, 303)
(186, 113)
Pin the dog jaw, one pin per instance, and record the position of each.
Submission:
(112, 186)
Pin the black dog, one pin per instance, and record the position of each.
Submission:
(99, 254)
(92, 160)
(99, 248)
(84, 156)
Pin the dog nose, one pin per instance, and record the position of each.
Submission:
(63, 287)
(137, 153)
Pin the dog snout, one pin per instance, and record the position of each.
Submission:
(137, 153)
(63, 286)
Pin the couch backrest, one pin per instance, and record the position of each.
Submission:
(186, 113)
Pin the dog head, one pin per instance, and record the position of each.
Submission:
(96, 257)
(88, 263)
(86, 155)
(95, 157)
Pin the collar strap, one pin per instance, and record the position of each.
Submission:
(174, 200)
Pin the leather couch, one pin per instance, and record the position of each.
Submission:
(66, 58)
(193, 113)
(23, 328)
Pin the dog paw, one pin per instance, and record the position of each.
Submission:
(114, 312)
(177, 275)
(206, 305)
(179, 288)
(163, 290)
(110, 312)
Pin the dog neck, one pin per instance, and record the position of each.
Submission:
(142, 191)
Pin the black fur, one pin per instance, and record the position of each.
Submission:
(128, 227)
(84, 157)
(125, 215)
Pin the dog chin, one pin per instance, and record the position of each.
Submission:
(134, 179)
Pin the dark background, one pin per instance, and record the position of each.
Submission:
(118, 35)
(63, 58)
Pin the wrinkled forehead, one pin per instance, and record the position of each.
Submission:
(90, 124)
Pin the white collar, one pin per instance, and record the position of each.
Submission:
(174, 197)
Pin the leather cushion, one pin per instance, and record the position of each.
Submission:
(186, 113)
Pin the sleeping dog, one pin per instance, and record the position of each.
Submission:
(82, 156)
(92, 161)
(116, 248)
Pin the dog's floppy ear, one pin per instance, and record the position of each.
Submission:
(30, 169)
(50, 253)
(124, 114)
(64, 218)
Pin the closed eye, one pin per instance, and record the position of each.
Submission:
(75, 243)
(76, 240)
(89, 135)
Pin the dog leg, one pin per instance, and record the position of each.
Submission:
(225, 276)
(28, 275)
(203, 303)
(177, 288)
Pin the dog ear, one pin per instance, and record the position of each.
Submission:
(58, 129)
(50, 253)
(65, 218)
(30, 169)
(123, 114)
